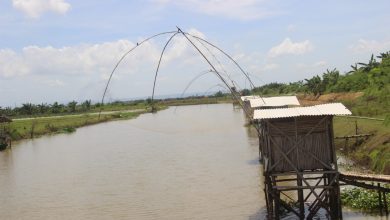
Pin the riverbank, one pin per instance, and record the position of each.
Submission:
(34, 127)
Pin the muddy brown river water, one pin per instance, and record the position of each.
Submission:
(198, 162)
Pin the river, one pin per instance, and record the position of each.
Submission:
(193, 162)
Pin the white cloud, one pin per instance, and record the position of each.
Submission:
(270, 66)
(320, 63)
(180, 46)
(80, 59)
(91, 58)
(289, 47)
(242, 10)
(35, 8)
(54, 83)
(11, 64)
(370, 46)
(312, 66)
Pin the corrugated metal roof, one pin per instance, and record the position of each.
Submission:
(248, 97)
(274, 101)
(324, 109)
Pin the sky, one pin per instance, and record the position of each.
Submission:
(64, 50)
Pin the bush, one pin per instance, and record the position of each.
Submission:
(362, 199)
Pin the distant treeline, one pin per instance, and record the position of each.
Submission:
(44, 108)
(73, 107)
(373, 77)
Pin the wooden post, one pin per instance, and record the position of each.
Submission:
(380, 200)
(385, 201)
(277, 204)
(300, 199)
(356, 133)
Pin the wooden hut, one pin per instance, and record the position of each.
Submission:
(297, 148)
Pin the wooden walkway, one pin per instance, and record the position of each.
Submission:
(367, 181)
(365, 177)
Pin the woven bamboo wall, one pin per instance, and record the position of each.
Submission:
(314, 148)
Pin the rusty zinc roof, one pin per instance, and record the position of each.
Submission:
(316, 110)
(274, 101)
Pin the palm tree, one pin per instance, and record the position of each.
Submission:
(86, 105)
(372, 63)
(72, 106)
(27, 109)
(315, 85)
(384, 55)
(354, 68)
(55, 108)
(42, 108)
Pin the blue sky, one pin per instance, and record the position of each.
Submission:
(63, 50)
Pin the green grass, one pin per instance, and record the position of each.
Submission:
(372, 152)
(68, 122)
(29, 128)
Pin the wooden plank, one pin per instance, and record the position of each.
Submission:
(364, 185)
(365, 177)
(354, 136)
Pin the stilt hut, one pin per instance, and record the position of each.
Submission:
(246, 102)
(4, 138)
(298, 154)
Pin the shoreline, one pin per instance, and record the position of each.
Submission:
(25, 128)
(30, 128)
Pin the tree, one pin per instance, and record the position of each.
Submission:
(330, 78)
(372, 63)
(55, 108)
(42, 108)
(218, 94)
(86, 105)
(354, 68)
(315, 85)
(384, 55)
(245, 92)
(72, 106)
(27, 109)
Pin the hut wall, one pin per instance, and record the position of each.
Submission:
(309, 136)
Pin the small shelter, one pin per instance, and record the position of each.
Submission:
(297, 148)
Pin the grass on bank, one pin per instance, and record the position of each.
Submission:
(23, 129)
(38, 124)
(372, 152)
